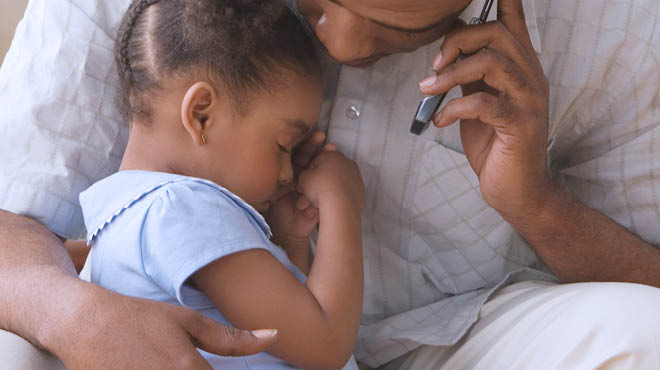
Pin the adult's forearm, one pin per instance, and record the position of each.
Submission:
(580, 244)
(37, 279)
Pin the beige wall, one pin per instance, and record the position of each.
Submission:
(11, 11)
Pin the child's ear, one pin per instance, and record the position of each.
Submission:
(197, 110)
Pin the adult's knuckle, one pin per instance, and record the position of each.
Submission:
(481, 99)
(492, 59)
(229, 334)
(501, 111)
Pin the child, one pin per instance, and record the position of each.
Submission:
(218, 94)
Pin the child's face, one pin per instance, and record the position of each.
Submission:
(251, 155)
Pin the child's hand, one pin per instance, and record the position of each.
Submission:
(292, 218)
(330, 177)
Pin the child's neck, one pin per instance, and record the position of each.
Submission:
(145, 152)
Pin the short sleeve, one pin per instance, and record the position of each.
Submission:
(60, 129)
(188, 226)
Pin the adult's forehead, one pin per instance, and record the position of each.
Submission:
(405, 13)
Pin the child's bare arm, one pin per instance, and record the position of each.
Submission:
(299, 253)
(317, 321)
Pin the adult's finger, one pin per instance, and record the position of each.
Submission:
(512, 14)
(213, 337)
(490, 66)
(482, 106)
(492, 35)
(308, 149)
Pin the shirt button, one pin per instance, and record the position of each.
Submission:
(352, 112)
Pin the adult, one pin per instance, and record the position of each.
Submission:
(559, 178)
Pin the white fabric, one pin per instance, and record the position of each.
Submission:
(60, 128)
(532, 325)
(18, 354)
(434, 251)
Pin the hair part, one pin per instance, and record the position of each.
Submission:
(243, 46)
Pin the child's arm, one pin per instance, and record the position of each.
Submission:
(317, 321)
(299, 253)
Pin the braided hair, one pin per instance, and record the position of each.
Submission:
(242, 45)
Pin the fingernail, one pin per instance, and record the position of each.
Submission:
(437, 61)
(264, 333)
(427, 82)
(437, 118)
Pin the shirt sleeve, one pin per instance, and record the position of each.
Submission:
(60, 129)
(188, 226)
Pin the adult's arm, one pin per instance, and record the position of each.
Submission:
(88, 327)
(504, 130)
(581, 244)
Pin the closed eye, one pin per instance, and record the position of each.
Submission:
(282, 148)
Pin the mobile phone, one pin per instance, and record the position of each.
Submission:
(429, 105)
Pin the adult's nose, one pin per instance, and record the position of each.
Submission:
(346, 36)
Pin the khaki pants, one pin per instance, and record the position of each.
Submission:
(533, 325)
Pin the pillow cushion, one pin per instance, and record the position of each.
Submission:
(60, 129)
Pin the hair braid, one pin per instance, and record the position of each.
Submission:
(126, 31)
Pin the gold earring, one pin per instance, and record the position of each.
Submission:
(203, 139)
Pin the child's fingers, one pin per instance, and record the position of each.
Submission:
(311, 213)
(302, 203)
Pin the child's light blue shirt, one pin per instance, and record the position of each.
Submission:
(152, 231)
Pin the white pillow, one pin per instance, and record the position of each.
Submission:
(60, 129)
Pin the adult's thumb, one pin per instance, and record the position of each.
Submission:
(214, 337)
(512, 15)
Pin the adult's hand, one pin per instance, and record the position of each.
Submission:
(111, 331)
(504, 110)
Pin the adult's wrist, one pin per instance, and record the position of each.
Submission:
(543, 214)
(70, 311)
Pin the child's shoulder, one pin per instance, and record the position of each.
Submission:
(163, 197)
